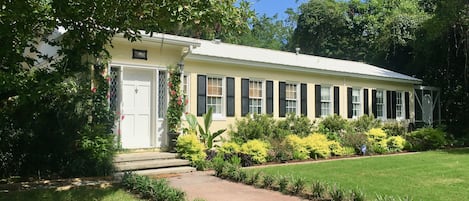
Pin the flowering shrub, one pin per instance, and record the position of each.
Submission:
(190, 147)
(257, 149)
(396, 143)
(176, 100)
(229, 148)
(318, 145)
(297, 146)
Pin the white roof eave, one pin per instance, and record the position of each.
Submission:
(200, 57)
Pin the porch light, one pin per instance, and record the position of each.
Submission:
(139, 54)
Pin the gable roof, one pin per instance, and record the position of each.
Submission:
(229, 53)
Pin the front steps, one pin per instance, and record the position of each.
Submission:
(150, 163)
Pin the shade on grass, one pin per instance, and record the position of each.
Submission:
(435, 175)
(75, 194)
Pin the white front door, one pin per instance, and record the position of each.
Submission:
(136, 108)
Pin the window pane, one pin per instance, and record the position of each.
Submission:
(379, 104)
(325, 93)
(215, 94)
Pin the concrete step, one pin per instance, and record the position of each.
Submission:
(170, 170)
(127, 157)
(150, 164)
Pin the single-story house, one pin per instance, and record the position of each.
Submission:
(236, 80)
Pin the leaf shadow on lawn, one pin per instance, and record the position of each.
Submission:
(457, 151)
(76, 194)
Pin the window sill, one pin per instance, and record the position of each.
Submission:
(218, 118)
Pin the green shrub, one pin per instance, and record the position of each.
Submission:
(253, 178)
(257, 126)
(318, 190)
(427, 139)
(298, 185)
(357, 195)
(355, 140)
(283, 182)
(332, 126)
(268, 181)
(257, 149)
(297, 146)
(365, 123)
(151, 189)
(394, 129)
(229, 148)
(317, 145)
(294, 124)
(396, 143)
(190, 148)
(337, 194)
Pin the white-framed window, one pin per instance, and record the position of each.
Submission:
(255, 96)
(380, 104)
(326, 100)
(399, 105)
(356, 104)
(186, 91)
(291, 98)
(215, 95)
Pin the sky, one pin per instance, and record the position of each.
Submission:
(271, 7)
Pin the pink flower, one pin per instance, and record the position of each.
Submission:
(170, 84)
(122, 117)
(173, 92)
(179, 102)
(93, 90)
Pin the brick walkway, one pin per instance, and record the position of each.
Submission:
(210, 188)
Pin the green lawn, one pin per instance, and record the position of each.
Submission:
(76, 194)
(435, 175)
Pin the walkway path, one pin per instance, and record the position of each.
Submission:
(210, 188)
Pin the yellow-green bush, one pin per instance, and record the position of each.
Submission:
(317, 145)
(190, 147)
(376, 135)
(297, 146)
(396, 143)
(377, 139)
(336, 148)
(229, 147)
(257, 149)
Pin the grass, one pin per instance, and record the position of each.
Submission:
(435, 175)
(75, 194)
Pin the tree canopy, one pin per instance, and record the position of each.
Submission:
(53, 120)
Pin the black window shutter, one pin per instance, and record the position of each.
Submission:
(349, 103)
(304, 99)
(230, 97)
(374, 107)
(365, 102)
(336, 100)
(317, 97)
(407, 111)
(270, 97)
(201, 94)
(393, 108)
(244, 97)
(388, 105)
(281, 99)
